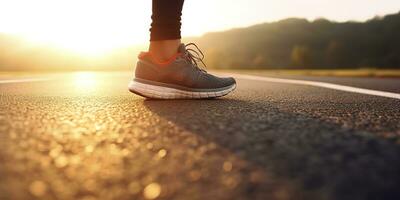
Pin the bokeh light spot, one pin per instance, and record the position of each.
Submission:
(152, 191)
(38, 188)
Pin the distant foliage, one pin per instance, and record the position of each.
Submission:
(298, 43)
(290, 44)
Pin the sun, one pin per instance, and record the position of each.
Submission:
(89, 27)
(89, 43)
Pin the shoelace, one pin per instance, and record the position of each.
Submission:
(195, 56)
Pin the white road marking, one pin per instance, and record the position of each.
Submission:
(270, 79)
(320, 84)
(23, 80)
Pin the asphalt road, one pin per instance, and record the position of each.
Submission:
(84, 136)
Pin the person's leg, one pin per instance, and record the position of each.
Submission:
(170, 69)
(165, 31)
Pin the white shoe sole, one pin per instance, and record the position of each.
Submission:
(160, 92)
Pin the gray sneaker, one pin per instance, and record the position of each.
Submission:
(178, 78)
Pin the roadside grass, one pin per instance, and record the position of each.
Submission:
(388, 73)
(384, 73)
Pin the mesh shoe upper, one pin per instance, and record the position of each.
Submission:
(182, 71)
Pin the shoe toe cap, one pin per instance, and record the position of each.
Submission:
(229, 81)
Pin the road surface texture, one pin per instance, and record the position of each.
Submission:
(83, 136)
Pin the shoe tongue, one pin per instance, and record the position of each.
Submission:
(182, 48)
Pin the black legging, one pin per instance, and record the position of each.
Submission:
(166, 20)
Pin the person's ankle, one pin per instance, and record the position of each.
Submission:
(163, 50)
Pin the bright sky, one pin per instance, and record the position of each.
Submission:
(86, 25)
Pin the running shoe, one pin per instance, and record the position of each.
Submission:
(180, 77)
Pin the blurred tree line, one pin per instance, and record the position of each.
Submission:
(298, 43)
(290, 44)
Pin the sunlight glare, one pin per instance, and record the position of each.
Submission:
(85, 81)
(85, 44)
(86, 27)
